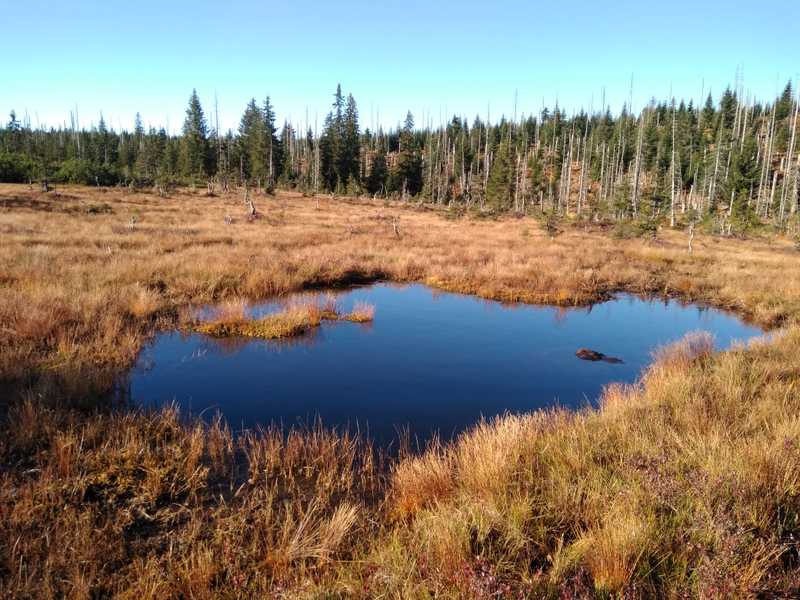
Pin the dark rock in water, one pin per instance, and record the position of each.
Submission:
(593, 355)
(586, 354)
(613, 360)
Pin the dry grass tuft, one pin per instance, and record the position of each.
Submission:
(291, 322)
(362, 312)
(695, 345)
(298, 318)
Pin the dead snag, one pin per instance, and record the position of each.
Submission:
(252, 213)
(396, 226)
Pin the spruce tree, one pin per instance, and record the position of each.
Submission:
(272, 145)
(742, 178)
(103, 142)
(378, 172)
(126, 154)
(252, 144)
(727, 109)
(350, 152)
(288, 173)
(500, 187)
(328, 153)
(13, 133)
(706, 122)
(196, 151)
(170, 157)
(407, 176)
(536, 176)
(331, 143)
(783, 107)
(309, 162)
(138, 143)
(138, 128)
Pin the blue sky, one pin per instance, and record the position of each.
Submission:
(434, 58)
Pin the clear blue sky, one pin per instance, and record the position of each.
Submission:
(434, 58)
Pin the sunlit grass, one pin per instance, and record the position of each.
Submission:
(295, 320)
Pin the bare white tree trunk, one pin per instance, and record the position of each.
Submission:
(789, 175)
(672, 172)
(637, 167)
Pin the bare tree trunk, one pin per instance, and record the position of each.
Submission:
(768, 207)
(713, 186)
(672, 172)
(789, 175)
(602, 174)
(568, 183)
(251, 208)
(637, 167)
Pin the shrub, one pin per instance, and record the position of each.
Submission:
(82, 171)
(15, 167)
(74, 170)
(640, 228)
(549, 225)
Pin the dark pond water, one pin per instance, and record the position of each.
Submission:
(430, 361)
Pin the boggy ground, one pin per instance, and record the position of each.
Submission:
(686, 484)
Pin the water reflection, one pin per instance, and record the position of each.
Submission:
(430, 361)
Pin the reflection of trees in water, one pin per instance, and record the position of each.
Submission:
(560, 313)
(704, 310)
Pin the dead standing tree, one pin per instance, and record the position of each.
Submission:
(252, 213)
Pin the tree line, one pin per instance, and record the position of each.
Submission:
(735, 160)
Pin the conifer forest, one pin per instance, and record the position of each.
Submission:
(732, 162)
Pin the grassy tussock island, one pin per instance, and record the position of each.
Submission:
(293, 321)
(686, 484)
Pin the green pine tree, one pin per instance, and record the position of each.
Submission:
(195, 148)
(272, 145)
(252, 145)
(350, 149)
(742, 178)
(500, 186)
(331, 142)
(378, 172)
(407, 176)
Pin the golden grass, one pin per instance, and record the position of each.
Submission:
(295, 320)
(362, 312)
(686, 484)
